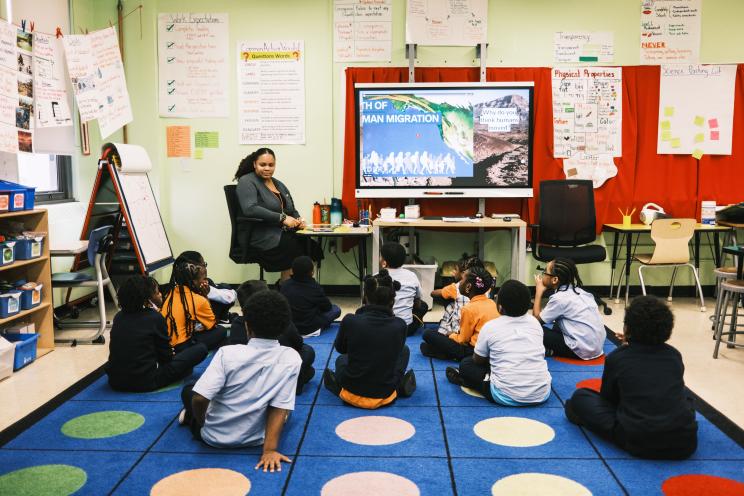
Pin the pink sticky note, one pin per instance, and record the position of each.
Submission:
(712, 122)
(714, 136)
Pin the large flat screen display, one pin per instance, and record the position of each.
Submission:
(444, 139)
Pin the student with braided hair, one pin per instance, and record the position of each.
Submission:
(450, 322)
(573, 327)
(371, 370)
(480, 309)
(187, 311)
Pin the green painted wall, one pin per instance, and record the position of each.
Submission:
(191, 198)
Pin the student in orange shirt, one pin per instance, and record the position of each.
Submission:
(187, 310)
(450, 322)
(479, 310)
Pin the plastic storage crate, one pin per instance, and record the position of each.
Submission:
(30, 297)
(21, 197)
(426, 275)
(7, 353)
(10, 304)
(25, 348)
(28, 248)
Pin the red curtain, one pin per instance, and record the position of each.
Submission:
(677, 182)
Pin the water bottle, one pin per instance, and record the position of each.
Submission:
(337, 216)
(316, 213)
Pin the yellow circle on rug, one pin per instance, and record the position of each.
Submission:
(203, 482)
(517, 432)
(375, 430)
(365, 483)
(534, 484)
(471, 392)
(100, 425)
(43, 479)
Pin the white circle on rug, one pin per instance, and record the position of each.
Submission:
(203, 482)
(471, 392)
(534, 484)
(365, 483)
(517, 432)
(375, 430)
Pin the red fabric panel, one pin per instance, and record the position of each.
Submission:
(676, 182)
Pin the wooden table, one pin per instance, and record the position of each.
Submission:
(517, 227)
(629, 231)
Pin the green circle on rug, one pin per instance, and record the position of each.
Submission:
(43, 480)
(103, 424)
(169, 387)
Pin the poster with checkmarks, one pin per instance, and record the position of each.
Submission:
(193, 64)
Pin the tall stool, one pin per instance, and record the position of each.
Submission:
(722, 274)
(731, 292)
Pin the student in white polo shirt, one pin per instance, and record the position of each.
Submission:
(508, 366)
(408, 303)
(245, 395)
(572, 323)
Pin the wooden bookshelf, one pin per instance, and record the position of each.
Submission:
(36, 270)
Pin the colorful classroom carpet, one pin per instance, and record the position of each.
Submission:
(441, 441)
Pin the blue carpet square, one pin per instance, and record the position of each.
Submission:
(178, 439)
(569, 441)
(321, 438)
(557, 366)
(46, 433)
(441, 365)
(564, 382)
(103, 470)
(327, 336)
(310, 474)
(474, 476)
(452, 395)
(157, 466)
(425, 395)
(712, 445)
(101, 391)
(647, 476)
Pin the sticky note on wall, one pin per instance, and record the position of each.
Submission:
(699, 137)
(676, 143)
(666, 135)
(699, 120)
(714, 136)
(665, 125)
(668, 111)
(712, 122)
(697, 153)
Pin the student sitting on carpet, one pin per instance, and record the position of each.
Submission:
(642, 405)
(408, 304)
(187, 311)
(312, 311)
(289, 338)
(572, 324)
(371, 370)
(221, 296)
(247, 392)
(475, 285)
(450, 322)
(140, 355)
(518, 373)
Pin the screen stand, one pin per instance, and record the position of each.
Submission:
(411, 56)
(481, 235)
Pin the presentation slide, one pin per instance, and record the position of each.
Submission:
(444, 137)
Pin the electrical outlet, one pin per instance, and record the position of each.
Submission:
(332, 246)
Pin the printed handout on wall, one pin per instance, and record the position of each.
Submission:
(115, 110)
(362, 30)
(52, 102)
(24, 120)
(696, 109)
(84, 75)
(193, 65)
(670, 31)
(587, 121)
(574, 47)
(8, 88)
(446, 22)
(271, 92)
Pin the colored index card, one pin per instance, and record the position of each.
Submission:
(714, 136)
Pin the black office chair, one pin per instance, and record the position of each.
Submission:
(240, 247)
(567, 225)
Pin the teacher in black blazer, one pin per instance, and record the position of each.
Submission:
(264, 197)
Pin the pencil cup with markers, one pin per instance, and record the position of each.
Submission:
(627, 217)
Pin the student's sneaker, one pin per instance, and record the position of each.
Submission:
(549, 352)
(453, 375)
(183, 417)
(408, 384)
(313, 334)
(330, 382)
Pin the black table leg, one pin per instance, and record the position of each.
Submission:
(362, 264)
(717, 245)
(628, 247)
(697, 251)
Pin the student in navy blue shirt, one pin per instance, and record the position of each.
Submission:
(312, 311)
(642, 406)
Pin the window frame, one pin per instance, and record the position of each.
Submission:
(64, 183)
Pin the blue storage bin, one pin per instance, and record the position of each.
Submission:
(10, 304)
(30, 298)
(25, 348)
(7, 252)
(4, 201)
(21, 197)
(28, 248)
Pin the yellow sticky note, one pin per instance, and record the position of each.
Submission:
(676, 143)
(666, 135)
(668, 111)
(666, 125)
(699, 137)
(699, 120)
(697, 153)
(198, 153)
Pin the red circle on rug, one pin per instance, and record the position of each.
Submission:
(574, 361)
(595, 384)
(701, 485)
